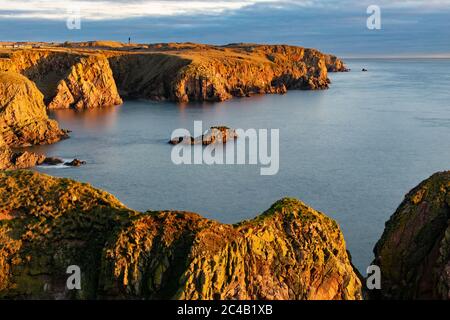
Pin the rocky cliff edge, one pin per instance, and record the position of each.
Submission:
(84, 76)
(46, 224)
(414, 250)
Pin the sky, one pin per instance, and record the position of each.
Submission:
(409, 28)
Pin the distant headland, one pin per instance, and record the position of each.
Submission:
(38, 76)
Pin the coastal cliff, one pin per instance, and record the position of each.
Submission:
(414, 250)
(23, 121)
(68, 79)
(98, 74)
(190, 72)
(84, 76)
(46, 224)
(23, 117)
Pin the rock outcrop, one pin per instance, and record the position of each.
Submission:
(68, 79)
(334, 64)
(89, 84)
(47, 224)
(19, 160)
(23, 117)
(414, 250)
(75, 163)
(220, 134)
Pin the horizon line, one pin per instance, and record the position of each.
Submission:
(342, 56)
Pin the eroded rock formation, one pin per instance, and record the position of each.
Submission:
(46, 224)
(414, 250)
(68, 79)
(190, 72)
(19, 160)
(219, 134)
(86, 75)
(23, 117)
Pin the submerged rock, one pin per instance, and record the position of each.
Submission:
(46, 224)
(414, 250)
(220, 134)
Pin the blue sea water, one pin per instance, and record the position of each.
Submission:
(352, 151)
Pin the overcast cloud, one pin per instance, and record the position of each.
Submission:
(115, 9)
(409, 27)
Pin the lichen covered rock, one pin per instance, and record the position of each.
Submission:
(46, 224)
(289, 252)
(414, 250)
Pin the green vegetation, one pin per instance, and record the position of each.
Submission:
(47, 224)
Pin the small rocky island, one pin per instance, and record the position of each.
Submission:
(219, 134)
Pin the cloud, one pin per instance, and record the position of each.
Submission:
(117, 9)
(110, 9)
(408, 27)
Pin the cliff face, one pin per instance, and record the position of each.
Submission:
(414, 250)
(23, 117)
(187, 72)
(46, 224)
(289, 252)
(146, 75)
(85, 76)
(68, 79)
(89, 84)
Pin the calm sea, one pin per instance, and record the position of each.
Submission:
(352, 151)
